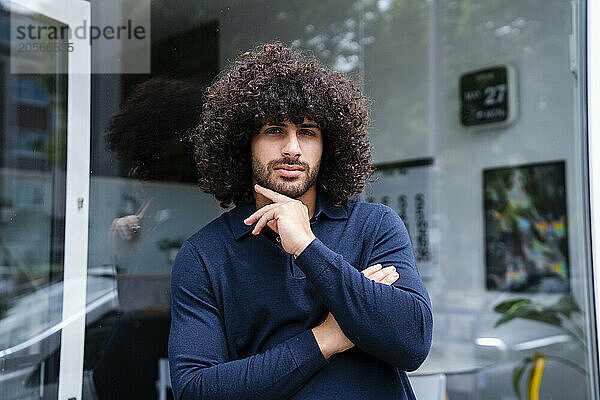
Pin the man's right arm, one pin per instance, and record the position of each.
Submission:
(198, 354)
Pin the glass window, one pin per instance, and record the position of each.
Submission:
(32, 220)
(495, 209)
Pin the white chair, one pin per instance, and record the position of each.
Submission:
(428, 387)
(164, 378)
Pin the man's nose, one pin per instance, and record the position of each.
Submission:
(291, 147)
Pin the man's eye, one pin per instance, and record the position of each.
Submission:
(273, 130)
(307, 132)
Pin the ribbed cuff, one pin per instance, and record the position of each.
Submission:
(306, 353)
(315, 258)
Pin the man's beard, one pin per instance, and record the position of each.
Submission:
(295, 187)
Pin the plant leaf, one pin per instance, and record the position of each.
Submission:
(526, 309)
(530, 311)
(565, 306)
(518, 373)
(506, 305)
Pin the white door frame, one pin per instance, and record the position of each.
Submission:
(73, 13)
(593, 122)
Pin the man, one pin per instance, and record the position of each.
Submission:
(268, 300)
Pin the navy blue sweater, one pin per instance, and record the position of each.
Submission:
(243, 309)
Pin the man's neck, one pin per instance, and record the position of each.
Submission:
(309, 199)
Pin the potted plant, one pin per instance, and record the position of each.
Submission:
(559, 314)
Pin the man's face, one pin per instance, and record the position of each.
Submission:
(286, 158)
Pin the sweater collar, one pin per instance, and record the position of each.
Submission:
(236, 217)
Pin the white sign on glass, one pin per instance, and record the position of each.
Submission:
(406, 188)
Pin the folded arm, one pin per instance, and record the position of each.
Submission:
(393, 323)
(198, 355)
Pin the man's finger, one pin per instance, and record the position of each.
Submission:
(271, 195)
(368, 271)
(382, 273)
(259, 213)
(262, 222)
(273, 225)
(140, 213)
(123, 231)
(390, 278)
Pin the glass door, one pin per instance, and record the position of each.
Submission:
(44, 134)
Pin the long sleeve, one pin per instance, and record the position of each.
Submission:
(198, 353)
(393, 323)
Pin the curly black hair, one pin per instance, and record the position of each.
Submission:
(148, 132)
(271, 84)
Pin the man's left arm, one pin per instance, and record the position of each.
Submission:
(393, 323)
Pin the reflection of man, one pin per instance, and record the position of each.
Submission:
(268, 300)
(145, 135)
(124, 233)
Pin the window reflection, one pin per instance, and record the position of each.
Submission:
(144, 202)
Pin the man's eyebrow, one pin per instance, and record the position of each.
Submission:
(309, 126)
(300, 125)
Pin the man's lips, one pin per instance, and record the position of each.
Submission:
(289, 171)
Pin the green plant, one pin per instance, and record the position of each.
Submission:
(559, 314)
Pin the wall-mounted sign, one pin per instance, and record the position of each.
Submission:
(488, 97)
(405, 186)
